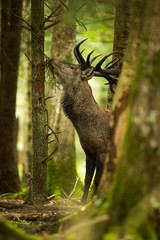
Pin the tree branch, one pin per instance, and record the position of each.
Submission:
(48, 158)
(51, 25)
(51, 15)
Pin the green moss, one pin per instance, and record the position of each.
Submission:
(21, 195)
(68, 58)
(53, 175)
(141, 65)
(9, 231)
(155, 74)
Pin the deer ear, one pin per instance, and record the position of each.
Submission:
(87, 74)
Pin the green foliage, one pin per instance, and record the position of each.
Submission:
(20, 195)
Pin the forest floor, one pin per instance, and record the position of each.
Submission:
(38, 219)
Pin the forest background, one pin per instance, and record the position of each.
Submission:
(127, 204)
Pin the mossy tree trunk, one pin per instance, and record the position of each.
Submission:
(10, 51)
(38, 191)
(121, 32)
(121, 28)
(134, 195)
(62, 169)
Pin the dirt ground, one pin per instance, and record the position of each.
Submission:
(39, 219)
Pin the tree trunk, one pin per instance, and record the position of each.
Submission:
(10, 51)
(135, 141)
(121, 31)
(62, 170)
(121, 28)
(38, 191)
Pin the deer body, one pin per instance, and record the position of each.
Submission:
(89, 119)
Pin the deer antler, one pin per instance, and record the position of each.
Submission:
(97, 70)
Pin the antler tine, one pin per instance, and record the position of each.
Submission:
(98, 66)
(77, 53)
(113, 64)
(92, 60)
(106, 70)
(88, 63)
(111, 82)
(82, 51)
(109, 63)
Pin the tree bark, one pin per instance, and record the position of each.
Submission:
(135, 141)
(38, 189)
(121, 30)
(62, 170)
(10, 51)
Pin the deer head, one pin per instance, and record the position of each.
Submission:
(72, 75)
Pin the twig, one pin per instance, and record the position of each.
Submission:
(48, 6)
(6, 195)
(51, 15)
(78, 9)
(29, 29)
(49, 97)
(28, 58)
(65, 194)
(48, 158)
(53, 132)
(78, 21)
(19, 17)
(50, 141)
(51, 25)
(64, 4)
(74, 188)
(51, 197)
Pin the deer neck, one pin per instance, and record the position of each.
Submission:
(79, 103)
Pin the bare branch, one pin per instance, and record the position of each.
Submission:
(47, 98)
(64, 4)
(53, 132)
(51, 197)
(28, 58)
(74, 188)
(53, 24)
(48, 6)
(50, 141)
(6, 195)
(78, 9)
(51, 15)
(20, 18)
(48, 158)
(29, 29)
(78, 21)
(65, 194)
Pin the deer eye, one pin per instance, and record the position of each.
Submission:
(72, 67)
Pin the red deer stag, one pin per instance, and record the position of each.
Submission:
(89, 119)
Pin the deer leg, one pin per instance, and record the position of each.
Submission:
(90, 167)
(99, 171)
